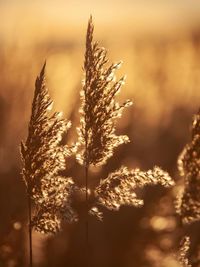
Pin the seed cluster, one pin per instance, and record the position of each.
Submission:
(189, 167)
(119, 188)
(43, 159)
(99, 109)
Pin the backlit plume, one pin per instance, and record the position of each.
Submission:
(183, 251)
(43, 159)
(119, 187)
(99, 109)
(189, 167)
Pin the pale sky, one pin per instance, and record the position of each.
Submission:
(128, 16)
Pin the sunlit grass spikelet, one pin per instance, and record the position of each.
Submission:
(43, 159)
(183, 251)
(189, 167)
(99, 109)
(119, 187)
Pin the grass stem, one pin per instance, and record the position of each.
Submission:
(86, 221)
(30, 232)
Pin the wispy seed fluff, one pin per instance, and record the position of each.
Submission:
(99, 109)
(43, 159)
(189, 167)
(183, 251)
(119, 188)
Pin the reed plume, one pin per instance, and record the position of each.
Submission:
(183, 251)
(44, 157)
(119, 187)
(43, 160)
(99, 109)
(97, 137)
(188, 203)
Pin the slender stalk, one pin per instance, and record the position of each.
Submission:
(86, 199)
(30, 232)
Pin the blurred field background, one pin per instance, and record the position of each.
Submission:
(159, 43)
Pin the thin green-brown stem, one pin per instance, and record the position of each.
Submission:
(30, 231)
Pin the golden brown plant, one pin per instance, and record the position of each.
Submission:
(183, 251)
(43, 159)
(99, 109)
(188, 203)
(119, 187)
(97, 138)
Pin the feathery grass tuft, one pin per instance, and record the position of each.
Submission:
(99, 109)
(43, 159)
(97, 137)
(183, 251)
(119, 187)
(188, 203)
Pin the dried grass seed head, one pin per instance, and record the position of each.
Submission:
(44, 157)
(189, 166)
(183, 251)
(119, 187)
(99, 109)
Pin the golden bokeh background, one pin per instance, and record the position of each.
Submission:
(159, 43)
